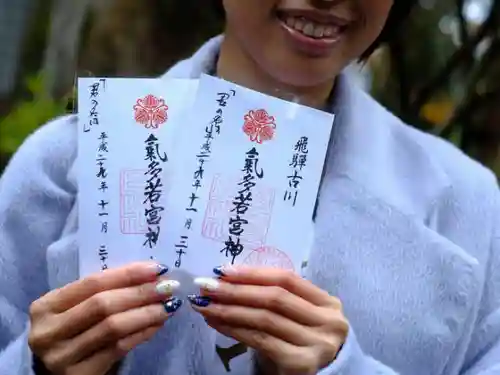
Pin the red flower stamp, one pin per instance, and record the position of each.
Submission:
(268, 256)
(151, 112)
(259, 126)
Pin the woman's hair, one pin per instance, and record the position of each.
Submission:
(399, 12)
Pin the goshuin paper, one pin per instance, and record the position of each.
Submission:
(195, 174)
(246, 180)
(127, 134)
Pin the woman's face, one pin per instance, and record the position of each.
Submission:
(305, 42)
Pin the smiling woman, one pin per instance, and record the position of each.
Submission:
(297, 48)
(402, 272)
(397, 16)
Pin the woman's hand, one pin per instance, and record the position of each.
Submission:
(85, 327)
(288, 320)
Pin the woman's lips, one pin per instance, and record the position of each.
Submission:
(311, 32)
(312, 29)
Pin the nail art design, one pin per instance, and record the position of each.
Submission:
(207, 283)
(172, 305)
(200, 301)
(219, 271)
(161, 270)
(167, 287)
(226, 270)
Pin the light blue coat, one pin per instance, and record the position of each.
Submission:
(407, 235)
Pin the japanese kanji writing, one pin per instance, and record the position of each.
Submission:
(103, 203)
(241, 203)
(153, 191)
(93, 117)
(298, 162)
(212, 130)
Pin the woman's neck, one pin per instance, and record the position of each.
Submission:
(236, 66)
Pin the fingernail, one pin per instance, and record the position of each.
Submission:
(166, 287)
(207, 283)
(201, 301)
(172, 305)
(160, 269)
(224, 270)
(219, 271)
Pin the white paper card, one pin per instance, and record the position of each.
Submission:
(127, 133)
(246, 180)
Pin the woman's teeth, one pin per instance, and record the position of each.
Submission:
(310, 28)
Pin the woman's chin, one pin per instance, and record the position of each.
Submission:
(303, 78)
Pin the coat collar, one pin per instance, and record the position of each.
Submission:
(377, 244)
(388, 158)
(369, 145)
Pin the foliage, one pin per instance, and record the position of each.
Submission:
(441, 74)
(28, 115)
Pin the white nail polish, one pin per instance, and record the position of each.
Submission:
(166, 287)
(207, 283)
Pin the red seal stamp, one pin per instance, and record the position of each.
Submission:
(268, 256)
(218, 213)
(151, 112)
(132, 219)
(259, 126)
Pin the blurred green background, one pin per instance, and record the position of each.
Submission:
(440, 73)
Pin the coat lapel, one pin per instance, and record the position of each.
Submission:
(403, 285)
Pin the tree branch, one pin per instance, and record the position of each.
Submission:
(464, 34)
(464, 53)
(396, 52)
(463, 113)
(61, 55)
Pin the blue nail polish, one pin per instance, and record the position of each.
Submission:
(171, 305)
(219, 271)
(162, 270)
(200, 301)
